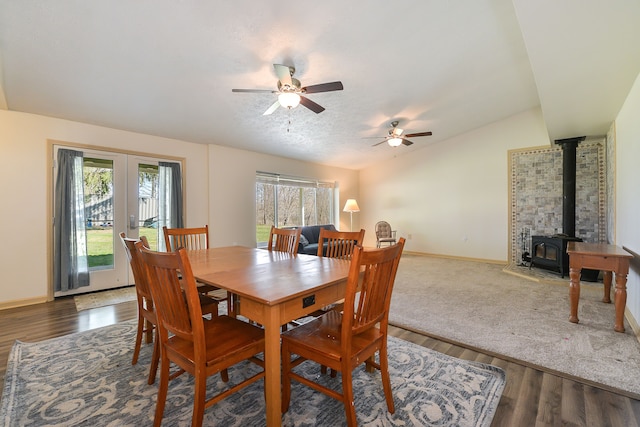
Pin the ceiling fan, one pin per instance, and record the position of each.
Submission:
(396, 138)
(291, 93)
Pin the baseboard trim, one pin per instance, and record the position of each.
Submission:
(22, 302)
(459, 258)
(632, 322)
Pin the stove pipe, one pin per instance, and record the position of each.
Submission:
(569, 146)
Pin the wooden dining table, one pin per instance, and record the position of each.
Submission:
(272, 288)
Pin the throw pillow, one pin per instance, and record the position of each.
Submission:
(303, 240)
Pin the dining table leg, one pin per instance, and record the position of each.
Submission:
(272, 366)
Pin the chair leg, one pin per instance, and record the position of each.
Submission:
(286, 378)
(369, 365)
(231, 309)
(136, 349)
(347, 397)
(386, 381)
(199, 398)
(162, 391)
(155, 358)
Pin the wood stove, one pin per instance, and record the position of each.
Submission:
(550, 252)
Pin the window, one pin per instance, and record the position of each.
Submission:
(286, 201)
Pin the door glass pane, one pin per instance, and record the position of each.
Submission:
(98, 208)
(148, 203)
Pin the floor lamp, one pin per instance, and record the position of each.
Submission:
(351, 206)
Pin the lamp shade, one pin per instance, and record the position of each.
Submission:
(289, 99)
(351, 206)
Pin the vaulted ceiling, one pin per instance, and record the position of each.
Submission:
(167, 68)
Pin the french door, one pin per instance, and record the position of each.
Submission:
(120, 195)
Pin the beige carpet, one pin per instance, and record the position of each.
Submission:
(481, 306)
(104, 298)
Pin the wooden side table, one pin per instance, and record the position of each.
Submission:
(599, 256)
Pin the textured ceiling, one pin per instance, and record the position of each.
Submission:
(167, 67)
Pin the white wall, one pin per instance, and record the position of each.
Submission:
(24, 260)
(451, 197)
(627, 205)
(220, 191)
(232, 179)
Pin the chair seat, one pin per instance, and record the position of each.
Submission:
(387, 239)
(231, 336)
(323, 334)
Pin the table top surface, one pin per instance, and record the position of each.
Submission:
(598, 249)
(268, 277)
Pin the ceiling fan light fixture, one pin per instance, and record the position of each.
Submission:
(289, 99)
(394, 142)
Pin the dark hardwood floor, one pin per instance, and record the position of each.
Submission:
(531, 397)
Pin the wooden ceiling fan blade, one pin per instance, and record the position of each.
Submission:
(284, 74)
(323, 87)
(411, 135)
(381, 142)
(271, 109)
(316, 108)
(406, 142)
(254, 90)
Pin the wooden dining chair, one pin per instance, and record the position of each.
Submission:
(336, 244)
(200, 347)
(339, 244)
(195, 238)
(344, 340)
(284, 239)
(188, 238)
(147, 320)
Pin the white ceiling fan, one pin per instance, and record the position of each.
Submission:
(396, 138)
(291, 93)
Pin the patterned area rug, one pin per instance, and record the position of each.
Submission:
(101, 299)
(86, 379)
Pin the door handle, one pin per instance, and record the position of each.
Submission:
(132, 222)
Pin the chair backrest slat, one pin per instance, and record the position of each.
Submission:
(139, 277)
(174, 316)
(188, 238)
(371, 277)
(284, 239)
(339, 244)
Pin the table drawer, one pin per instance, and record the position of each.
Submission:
(295, 308)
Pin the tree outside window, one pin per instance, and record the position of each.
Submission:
(291, 202)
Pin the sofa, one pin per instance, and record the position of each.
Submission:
(309, 237)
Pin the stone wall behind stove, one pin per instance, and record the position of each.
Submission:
(535, 194)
